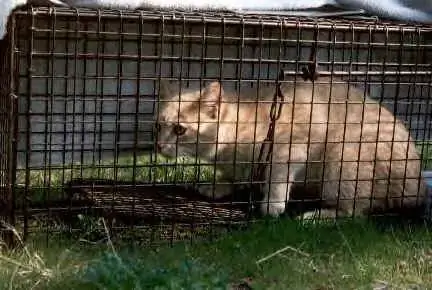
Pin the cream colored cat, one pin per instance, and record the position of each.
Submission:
(351, 145)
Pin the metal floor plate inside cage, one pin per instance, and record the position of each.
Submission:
(149, 203)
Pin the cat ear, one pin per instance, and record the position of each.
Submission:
(165, 89)
(211, 97)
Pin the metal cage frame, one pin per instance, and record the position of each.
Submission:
(81, 195)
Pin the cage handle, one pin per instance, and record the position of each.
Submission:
(275, 113)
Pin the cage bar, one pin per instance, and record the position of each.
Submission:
(83, 99)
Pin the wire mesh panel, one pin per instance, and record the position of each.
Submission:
(149, 117)
(7, 139)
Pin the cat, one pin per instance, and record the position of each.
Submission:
(359, 156)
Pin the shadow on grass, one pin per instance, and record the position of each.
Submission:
(270, 254)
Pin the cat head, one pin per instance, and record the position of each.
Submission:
(188, 121)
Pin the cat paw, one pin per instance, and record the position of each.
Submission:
(273, 209)
(308, 217)
(317, 215)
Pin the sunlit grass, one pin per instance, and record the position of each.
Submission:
(145, 168)
(282, 254)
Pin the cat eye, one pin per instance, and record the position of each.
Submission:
(179, 130)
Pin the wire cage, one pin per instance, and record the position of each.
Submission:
(81, 117)
(6, 136)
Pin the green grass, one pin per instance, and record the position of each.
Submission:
(280, 254)
(425, 149)
(48, 184)
(148, 168)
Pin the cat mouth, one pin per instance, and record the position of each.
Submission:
(172, 152)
